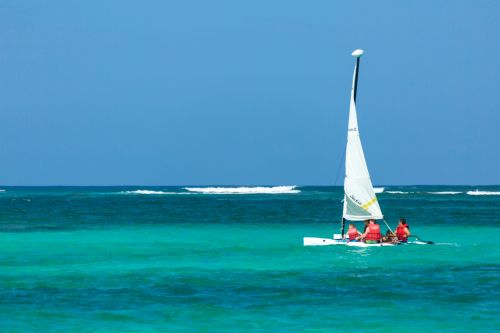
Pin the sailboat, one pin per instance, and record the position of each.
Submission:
(360, 200)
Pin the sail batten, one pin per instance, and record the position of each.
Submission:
(360, 201)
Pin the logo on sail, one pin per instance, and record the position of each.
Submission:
(355, 200)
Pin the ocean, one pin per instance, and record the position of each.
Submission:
(171, 259)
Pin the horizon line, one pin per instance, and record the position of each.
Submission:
(241, 185)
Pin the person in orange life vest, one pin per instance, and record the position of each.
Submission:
(372, 235)
(402, 220)
(403, 231)
(352, 233)
(364, 228)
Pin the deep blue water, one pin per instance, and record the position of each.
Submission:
(103, 259)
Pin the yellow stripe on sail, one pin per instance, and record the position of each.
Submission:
(369, 203)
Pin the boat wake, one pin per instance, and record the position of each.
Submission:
(244, 190)
(477, 192)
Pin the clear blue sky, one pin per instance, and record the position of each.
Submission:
(247, 92)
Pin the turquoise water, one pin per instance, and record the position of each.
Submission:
(104, 260)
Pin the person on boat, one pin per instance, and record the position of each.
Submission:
(352, 233)
(366, 225)
(390, 237)
(372, 235)
(402, 220)
(403, 231)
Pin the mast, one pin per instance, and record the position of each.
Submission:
(355, 83)
(360, 201)
(354, 92)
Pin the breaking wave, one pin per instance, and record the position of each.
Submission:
(244, 190)
(2, 190)
(438, 193)
(477, 192)
(378, 189)
(147, 192)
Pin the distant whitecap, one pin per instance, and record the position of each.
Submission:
(146, 192)
(244, 190)
(477, 192)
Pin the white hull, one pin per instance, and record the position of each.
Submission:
(315, 241)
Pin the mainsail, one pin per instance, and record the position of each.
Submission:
(360, 201)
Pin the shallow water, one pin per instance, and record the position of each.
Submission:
(102, 259)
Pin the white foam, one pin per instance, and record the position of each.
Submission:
(244, 190)
(477, 192)
(445, 192)
(398, 192)
(147, 192)
(378, 189)
(2, 190)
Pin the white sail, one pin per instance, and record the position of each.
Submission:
(360, 201)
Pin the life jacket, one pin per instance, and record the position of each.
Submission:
(400, 232)
(353, 233)
(373, 232)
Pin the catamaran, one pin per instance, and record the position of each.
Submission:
(360, 200)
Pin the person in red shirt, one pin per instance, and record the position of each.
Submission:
(403, 231)
(372, 234)
(352, 233)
